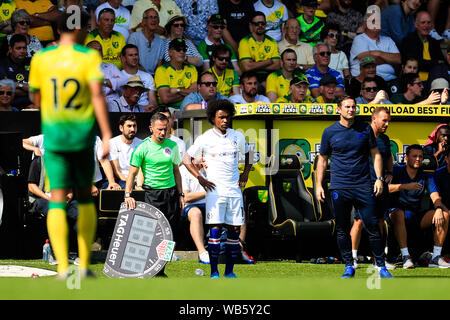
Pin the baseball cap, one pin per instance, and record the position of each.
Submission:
(310, 3)
(216, 18)
(364, 61)
(327, 79)
(438, 84)
(177, 44)
(299, 79)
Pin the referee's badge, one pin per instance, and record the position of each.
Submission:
(168, 151)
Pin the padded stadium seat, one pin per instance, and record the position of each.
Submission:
(292, 210)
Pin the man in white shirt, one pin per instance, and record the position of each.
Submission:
(122, 21)
(121, 147)
(130, 66)
(382, 48)
(114, 78)
(220, 147)
(276, 14)
(249, 90)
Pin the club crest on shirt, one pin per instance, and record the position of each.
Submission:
(167, 151)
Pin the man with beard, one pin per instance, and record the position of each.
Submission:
(249, 88)
(410, 186)
(380, 122)
(257, 51)
(122, 146)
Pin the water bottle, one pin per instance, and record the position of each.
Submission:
(46, 251)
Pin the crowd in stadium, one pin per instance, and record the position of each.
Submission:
(165, 55)
(185, 53)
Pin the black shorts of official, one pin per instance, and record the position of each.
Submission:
(167, 201)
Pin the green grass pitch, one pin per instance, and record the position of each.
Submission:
(285, 280)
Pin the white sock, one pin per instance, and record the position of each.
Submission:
(404, 251)
(355, 254)
(436, 252)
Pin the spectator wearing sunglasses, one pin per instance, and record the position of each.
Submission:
(413, 88)
(206, 92)
(122, 14)
(176, 28)
(216, 27)
(338, 59)
(175, 79)
(227, 79)
(7, 88)
(197, 13)
(371, 94)
(276, 15)
(42, 14)
(165, 8)
(257, 51)
(20, 23)
(322, 54)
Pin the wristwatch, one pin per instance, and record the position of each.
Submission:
(182, 194)
(127, 194)
(380, 178)
(178, 90)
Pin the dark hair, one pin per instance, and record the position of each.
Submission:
(368, 79)
(327, 28)
(126, 47)
(127, 117)
(286, 51)
(413, 147)
(17, 38)
(345, 97)
(205, 73)
(162, 108)
(221, 48)
(216, 105)
(247, 75)
(445, 126)
(407, 78)
(158, 116)
(257, 14)
(65, 22)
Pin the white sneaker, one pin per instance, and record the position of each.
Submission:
(446, 35)
(407, 263)
(355, 263)
(389, 266)
(204, 258)
(438, 262)
(435, 35)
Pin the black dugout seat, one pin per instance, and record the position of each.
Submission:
(323, 208)
(292, 210)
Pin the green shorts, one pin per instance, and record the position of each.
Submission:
(70, 169)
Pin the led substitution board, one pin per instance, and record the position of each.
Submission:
(141, 243)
